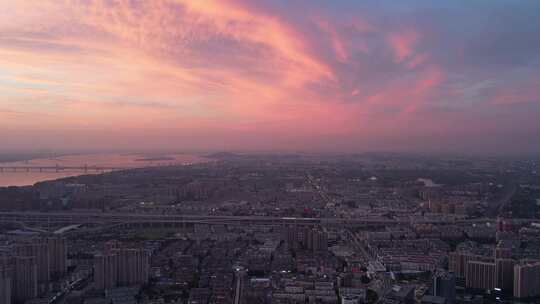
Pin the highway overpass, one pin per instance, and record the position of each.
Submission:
(155, 220)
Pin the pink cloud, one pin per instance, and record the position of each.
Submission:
(338, 46)
(215, 69)
(402, 44)
(527, 93)
(417, 60)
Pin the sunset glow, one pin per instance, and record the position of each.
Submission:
(270, 75)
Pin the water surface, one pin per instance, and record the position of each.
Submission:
(23, 178)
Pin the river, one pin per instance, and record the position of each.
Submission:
(22, 177)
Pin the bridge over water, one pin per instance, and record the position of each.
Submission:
(59, 168)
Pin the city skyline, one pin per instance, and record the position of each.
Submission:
(276, 229)
(445, 76)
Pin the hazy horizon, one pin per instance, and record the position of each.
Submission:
(17, 155)
(450, 77)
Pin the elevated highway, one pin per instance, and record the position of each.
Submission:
(155, 220)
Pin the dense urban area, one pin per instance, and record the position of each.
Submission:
(280, 229)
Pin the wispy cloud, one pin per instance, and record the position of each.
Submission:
(365, 74)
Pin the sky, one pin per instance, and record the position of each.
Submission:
(282, 75)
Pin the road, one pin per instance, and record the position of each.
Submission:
(353, 238)
(67, 218)
(497, 206)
